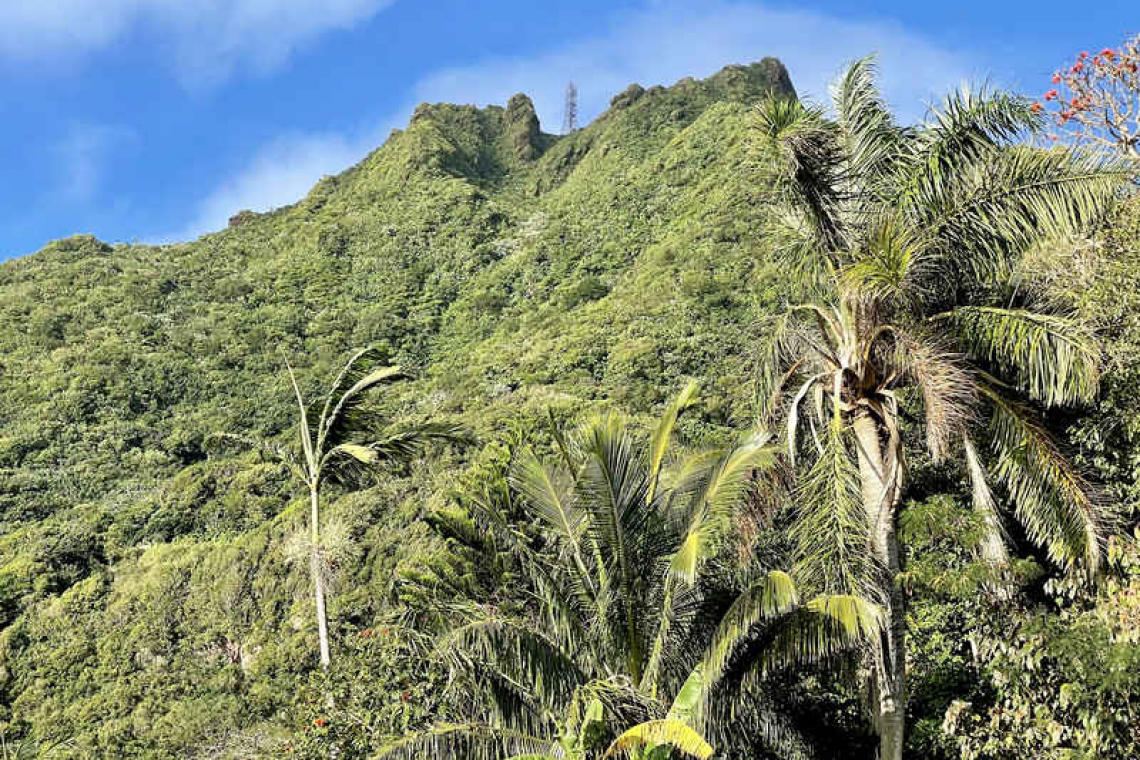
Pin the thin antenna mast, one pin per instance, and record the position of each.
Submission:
(570, 114)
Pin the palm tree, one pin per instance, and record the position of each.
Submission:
(625, 631)
(342, 441)
(906, 243)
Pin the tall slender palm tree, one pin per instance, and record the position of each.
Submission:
(906, 243)
(343, 441)
(625, 632)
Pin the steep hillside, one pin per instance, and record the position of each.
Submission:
(155, 600)
(148, 604)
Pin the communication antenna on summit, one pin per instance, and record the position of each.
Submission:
(570, 114)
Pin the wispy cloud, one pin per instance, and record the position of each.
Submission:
(280, 173)
(204, 40)
(82, 157)
(671, 40)
(663, 43)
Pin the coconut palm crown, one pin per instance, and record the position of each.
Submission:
(907, 305)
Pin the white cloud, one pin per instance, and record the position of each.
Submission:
(205, 39)
(280, 173)
(82, 157)
(661, 44)
(671, 40)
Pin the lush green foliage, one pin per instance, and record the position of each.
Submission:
(148, 604)
(653, 622)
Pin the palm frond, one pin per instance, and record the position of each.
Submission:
(663, 434)
(342, 414)
(773, 595)
(989, 212)
(615, 486)
(857, 618)
(673, 733)
(793, 422)
(806, 263)
(526, 656)
(304, 430)
(971, 123)
(1055, 503)
(470, 741)
(831, 526)
(1050, 357)
(994, 538)
(949, 389)
(823, 627)
(866, 131)
(565, 602)
(809, 166)
(723, 490)
(350, 373)
(891, 265)
(548, 494)
(406, 443)
(776, 364)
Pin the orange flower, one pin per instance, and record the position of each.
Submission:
(1035, 108)
(1108, 53)
(1056, 78)
(1051, 95)
(320, 722)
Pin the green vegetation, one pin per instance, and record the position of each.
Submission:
(907, 245)
(150, 601)
(628, 643)
(340, 442)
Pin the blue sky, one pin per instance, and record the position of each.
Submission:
(156, 120)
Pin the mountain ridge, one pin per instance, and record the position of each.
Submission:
(518, 273)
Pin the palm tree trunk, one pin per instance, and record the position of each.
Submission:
(318, 576)
(880, 478)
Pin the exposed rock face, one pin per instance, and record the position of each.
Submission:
(242, 217)
(522, 128)
(768, 72)
(628, 97)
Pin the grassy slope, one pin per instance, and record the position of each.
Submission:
(147, 605)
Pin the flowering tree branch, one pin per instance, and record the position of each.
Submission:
(1096, 100)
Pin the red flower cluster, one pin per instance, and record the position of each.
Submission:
(1056, 77)
(1051, 95)
(1108, 53)
(1035, 108)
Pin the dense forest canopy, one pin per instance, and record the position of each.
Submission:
(572, 315)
